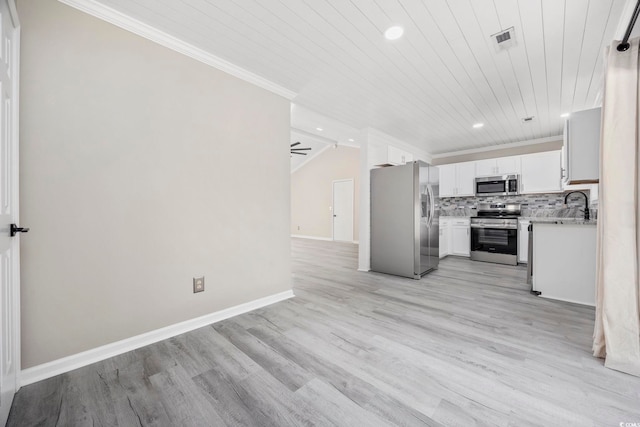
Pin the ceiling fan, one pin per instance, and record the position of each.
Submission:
(298, 150)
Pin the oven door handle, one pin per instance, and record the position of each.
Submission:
(495, 226)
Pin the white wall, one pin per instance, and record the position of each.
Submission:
(140, 169)
(312, 191)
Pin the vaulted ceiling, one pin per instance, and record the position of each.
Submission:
(430, 86)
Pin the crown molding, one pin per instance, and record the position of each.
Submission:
(135, 26)
(499, 147)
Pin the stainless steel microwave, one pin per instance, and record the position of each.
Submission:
(503, 185)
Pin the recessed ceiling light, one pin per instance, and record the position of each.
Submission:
(394, 33)
(563, 115)
(351, 139)
(319, 129)
(478, 125)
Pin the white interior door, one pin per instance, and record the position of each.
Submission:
(343, 210)
(9, 246)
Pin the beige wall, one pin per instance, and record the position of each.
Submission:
(500, 152)
(312, 191)
(140, 169)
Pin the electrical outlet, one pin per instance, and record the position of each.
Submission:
(198, 284)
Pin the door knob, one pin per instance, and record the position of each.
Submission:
(15, 229)
(334, 215)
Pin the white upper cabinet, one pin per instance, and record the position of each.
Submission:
(396, 156)
(581, 150)
(466, 174)
(457, 179)
(499, 166)
(508, 165)
(447, 180)
(540, 173)
(486, 167)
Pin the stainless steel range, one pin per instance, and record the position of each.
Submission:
(494, 233)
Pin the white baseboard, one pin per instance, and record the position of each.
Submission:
(75, 361)
(301, 236)
(588, 304)
(327, 239)
(366, 270)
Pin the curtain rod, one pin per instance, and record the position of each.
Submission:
(624, 45)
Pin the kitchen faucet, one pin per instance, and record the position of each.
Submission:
(586, 203)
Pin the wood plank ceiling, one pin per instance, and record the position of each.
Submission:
(430, 86)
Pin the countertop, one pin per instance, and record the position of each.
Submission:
(561, 221)
(541, 220)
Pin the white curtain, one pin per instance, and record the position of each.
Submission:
(617, 328)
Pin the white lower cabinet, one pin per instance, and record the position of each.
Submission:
(445, 237)
(460, 237)
(523, 241)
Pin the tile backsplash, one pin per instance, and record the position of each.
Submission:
(533, 205)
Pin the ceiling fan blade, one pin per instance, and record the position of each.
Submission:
(300, 149)
(295, 152)
(296, 143)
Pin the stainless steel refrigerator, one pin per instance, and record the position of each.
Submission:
(404, 219)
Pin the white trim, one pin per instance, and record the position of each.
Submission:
(318, 138)
(356, 242)
(128, 23)
(499, 147)
(11, 382)
(75, 361)
(364, 270)
(301, 236)
(567, 300)
(324, 139)
(308, 159)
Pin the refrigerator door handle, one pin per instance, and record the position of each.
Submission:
(427, 213)
(432, 208)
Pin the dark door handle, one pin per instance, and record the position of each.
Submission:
(15, 229)
(334, 215)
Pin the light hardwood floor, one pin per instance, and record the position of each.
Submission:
(466, 345)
